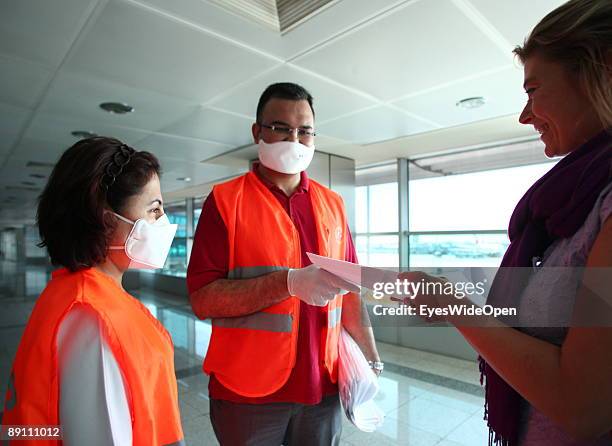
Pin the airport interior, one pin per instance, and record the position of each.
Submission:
(416, 108)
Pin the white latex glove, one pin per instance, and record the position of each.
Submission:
(316, 286)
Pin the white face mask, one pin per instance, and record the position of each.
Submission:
(148, 244)
(285, 156)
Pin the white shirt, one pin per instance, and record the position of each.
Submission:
(93, 402)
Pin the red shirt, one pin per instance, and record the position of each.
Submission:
(309, 380)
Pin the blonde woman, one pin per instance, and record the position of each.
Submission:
(553, 386)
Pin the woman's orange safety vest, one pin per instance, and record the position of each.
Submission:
(141, 346)
(253, 355)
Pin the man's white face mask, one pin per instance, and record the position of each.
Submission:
(148, 244)
(288, 157)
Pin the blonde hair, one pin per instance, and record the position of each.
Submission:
(578, 35)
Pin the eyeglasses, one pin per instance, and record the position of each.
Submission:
(283, 131)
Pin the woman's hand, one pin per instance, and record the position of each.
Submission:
(434, 299)
(430, 301)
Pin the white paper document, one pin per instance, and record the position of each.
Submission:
(364, 276)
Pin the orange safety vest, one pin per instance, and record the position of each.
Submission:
(141, 346)
(253, 355)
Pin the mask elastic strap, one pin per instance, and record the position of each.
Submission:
(124, 219)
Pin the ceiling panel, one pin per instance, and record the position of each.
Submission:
(330, 100)
(76, 95)
(22, 81)
(214, 125)
(327, 143)
(198, 172)
(38, 150)
(515, 18)
(12, 121)
(53, 135)
(15, 172)
(422, 45)
(181, 148)
(502, 91)
(134, 46)
(376, 124)
(41, 30)
(338, 17)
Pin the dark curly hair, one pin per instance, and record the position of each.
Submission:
(91, 177)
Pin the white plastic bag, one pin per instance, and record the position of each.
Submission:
(357, 385)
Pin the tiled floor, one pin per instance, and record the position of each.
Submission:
(428, 399)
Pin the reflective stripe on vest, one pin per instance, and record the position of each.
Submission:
(334, 317)
(249, 272)
(277, 323)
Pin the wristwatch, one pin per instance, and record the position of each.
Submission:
(377, 366)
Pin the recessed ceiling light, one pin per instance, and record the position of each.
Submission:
(469, 103)
(117, 108)
(185, 179)
(82, 134)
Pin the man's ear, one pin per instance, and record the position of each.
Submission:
(255, 130)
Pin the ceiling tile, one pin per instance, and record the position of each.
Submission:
(15, 171)
(214, 125)
(76, 95)
(515, 19)
(12, 121)
(44, 30)
(22, 81)
(199, 173)
(134, 46)
(181, 148)
(422, 45)
(336, 18)
(42, 151)
(330, 100)
(502, 91)
(376, 124)
(325, 143)
(52, 134)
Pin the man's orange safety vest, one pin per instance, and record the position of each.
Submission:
(141, 346)
(253, 355)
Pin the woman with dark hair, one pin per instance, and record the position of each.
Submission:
(549, 381)
(92, 358)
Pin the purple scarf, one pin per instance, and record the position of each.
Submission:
(553, 208)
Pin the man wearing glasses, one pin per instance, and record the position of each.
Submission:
(276, 319)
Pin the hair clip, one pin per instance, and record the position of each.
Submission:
(120, 159)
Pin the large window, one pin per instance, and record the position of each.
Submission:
(197, 210)
(459, 206)
(377, 238)
(177, 213)
(176, 264)
(462, 220)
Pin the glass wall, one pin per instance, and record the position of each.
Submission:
(197, 210)
(176, 264)
(453, 220)
(177, 261)
(462, 220)
(377, 238)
